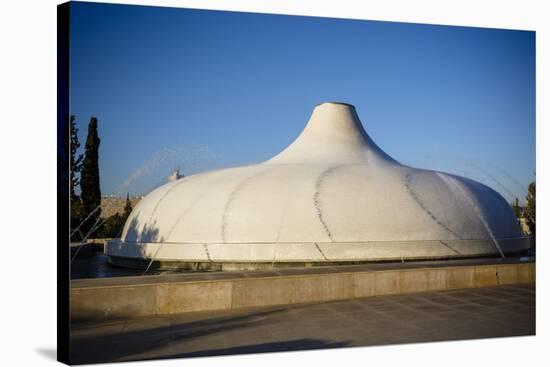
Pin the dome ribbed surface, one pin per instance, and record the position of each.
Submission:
(331, 195)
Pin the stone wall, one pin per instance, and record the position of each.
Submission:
(101, 299)
(112, 205)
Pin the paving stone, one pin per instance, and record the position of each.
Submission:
(448, 315)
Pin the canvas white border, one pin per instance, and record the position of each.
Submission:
(27, 148)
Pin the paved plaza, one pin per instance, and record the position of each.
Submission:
(435, 316)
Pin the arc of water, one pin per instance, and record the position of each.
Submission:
(511, 178)
(153, 258)
(96, 225)
(274, 256)
(453, 183)
(483, 167)
(85, 220)
(511, 195)
(148, 166)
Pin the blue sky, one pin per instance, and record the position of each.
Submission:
(200, 90)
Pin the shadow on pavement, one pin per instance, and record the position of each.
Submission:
(283, 346)
(96, 347)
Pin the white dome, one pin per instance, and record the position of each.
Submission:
(331, 196)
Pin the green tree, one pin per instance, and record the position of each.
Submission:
(75, 167)
(530, 208)
(76, 160)
(127, 207)
(89, 178)
(112, 227)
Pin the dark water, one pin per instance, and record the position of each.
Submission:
(96, 265)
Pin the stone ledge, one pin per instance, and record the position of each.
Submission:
(101, 299)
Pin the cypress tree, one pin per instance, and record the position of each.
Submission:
(76, 161)
(74, 169)
(89, 178)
